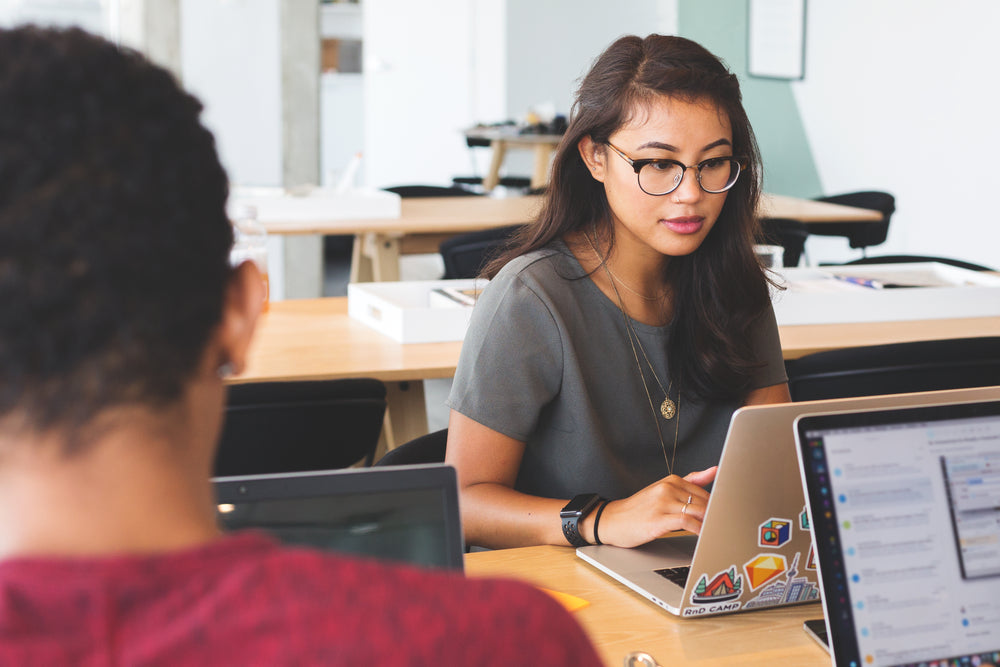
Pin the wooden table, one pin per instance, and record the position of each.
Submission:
(314, 339)
(504, 138)
(620, 621)
(424, 222)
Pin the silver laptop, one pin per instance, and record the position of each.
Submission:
(400, 513)
(755, 549)
(906, 509)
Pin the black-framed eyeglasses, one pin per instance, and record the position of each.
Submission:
(661, 176)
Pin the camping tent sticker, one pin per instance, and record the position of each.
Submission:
(726, 585)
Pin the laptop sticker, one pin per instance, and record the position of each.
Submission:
(811, 561)
(804, 519)
(718, 595)
(764, 568)
(774, 533)
(792, 588)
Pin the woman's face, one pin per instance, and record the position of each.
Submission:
(675, 224)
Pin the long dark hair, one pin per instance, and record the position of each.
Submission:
(720, 289)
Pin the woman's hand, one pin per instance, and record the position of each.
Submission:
(672, 503)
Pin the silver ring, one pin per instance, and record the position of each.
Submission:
(689, 501)
(684, 509)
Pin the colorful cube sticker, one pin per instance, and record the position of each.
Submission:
(774, 532)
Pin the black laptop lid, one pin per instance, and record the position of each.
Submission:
(905, 509)
(401, 513)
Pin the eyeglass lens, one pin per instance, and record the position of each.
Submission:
(715, 175)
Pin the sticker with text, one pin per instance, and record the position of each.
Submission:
(718, 594)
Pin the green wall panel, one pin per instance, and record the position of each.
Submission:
(721, 26)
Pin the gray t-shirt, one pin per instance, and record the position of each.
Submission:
(547, 361)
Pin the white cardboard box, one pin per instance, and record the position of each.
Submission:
(276, 205)
(825, 295)
(407, 311)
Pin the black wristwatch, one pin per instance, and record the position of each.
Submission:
(573, 512)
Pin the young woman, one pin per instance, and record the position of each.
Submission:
(619, 332)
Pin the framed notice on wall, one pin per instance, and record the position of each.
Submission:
(776, 41)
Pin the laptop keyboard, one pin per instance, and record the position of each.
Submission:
(678, 575)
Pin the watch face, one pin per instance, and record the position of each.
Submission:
(579, 504)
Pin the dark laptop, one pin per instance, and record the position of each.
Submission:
(401, 513)
(905, 510)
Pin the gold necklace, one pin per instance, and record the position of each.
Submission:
(668, 408)
(623, 283)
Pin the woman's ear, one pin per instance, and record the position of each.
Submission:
(593, 155)
(244, 301)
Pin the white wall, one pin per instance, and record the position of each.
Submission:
(231, 59)
(551, 45)
(418, 90)
(904, 97)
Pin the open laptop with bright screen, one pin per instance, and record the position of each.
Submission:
(906, 514)
(754, 550)
(401, 513)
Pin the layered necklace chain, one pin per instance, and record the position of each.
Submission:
(668, 408)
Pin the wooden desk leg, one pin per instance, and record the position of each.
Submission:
(499, 149)
(385, 258)
(405, 415)
(361, 263)
(374, 258)
(540, 175)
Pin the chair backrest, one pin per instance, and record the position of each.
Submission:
(859, 234)
(278, 427)
(428, 448)
(908, 259)
(895, 368)
(465, 255)
(789, 234)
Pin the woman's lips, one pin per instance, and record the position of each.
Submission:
(686, 225)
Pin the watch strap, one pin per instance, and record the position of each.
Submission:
(571, 524)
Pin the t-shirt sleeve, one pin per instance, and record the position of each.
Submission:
(767, 348)
(511, 360)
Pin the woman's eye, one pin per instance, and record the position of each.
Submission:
(715, 163)
(662, 165)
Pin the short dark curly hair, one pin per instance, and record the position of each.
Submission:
(114, 237)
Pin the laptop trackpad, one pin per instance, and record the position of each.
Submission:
(658, 554)
(638, 567)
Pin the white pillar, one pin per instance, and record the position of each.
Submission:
(300, 101)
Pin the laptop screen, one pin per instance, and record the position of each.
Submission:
(905, 508)
(400, 513)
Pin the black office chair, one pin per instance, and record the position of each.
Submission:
(859, 234)
(276, 427)
(428, 448)
(908, 259)
(789, 234)
(895, 368)
(407, 191)
(465, 255)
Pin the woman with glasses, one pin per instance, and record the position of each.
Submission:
(621, 330)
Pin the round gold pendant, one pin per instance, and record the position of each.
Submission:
(668, 408)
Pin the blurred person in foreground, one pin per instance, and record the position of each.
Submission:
(120, 320)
